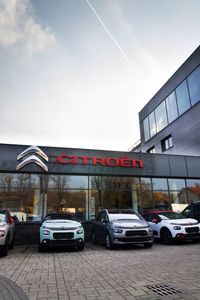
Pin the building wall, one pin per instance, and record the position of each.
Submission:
(185, 129)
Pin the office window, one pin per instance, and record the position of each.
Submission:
(152, 124)
(194, 85)
(146, 129)
(161, 116)
(172, 111)
(151, 150)
(182, 96)
(166, 143)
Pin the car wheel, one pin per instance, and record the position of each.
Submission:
(109, 244)
(80, 247)
(40, 248)
(4, 249)
(149, 245)
(196, 241)
(12, 243)
(166, 237)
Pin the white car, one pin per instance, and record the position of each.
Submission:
(7, 231)
(169, 226)
(61, 230)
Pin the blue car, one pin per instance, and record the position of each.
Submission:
(61, 230)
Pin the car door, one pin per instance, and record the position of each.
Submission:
(97, 229)
(11, 225)
(100, 227)
(154, 222)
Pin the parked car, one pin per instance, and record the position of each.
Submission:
(7, 232)
(61, 229)
(192, 211)
(169, 226)
(119, 226)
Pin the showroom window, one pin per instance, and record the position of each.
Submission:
(194, 85)
(166, 143)
(193, 190)
(178, 194)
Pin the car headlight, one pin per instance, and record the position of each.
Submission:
(2, 233)
(45, 232)
(177, 227)
(117, 230)
(80, 230)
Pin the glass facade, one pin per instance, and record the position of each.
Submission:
(30, 197)
(172, 111)
(183, 99)
(194, 86)
(161, 116)
(180, 100)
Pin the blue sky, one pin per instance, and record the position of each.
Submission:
(75, 73)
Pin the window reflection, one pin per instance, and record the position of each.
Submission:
(194, 85)
(159, 184)
(178, 194)
(161, 116)
(146, 129)
(73, 201)
(182, 95)
(172, 111)
(193, 190)
(146, 194)
(162, 200)
(152, 124)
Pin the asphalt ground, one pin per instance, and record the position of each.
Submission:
(162, 272)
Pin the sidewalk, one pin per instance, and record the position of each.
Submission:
(163, 272)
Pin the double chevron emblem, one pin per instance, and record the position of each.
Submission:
(32, 154)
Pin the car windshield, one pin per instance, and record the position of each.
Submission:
(60, 217)
(170, 215)
(2, 217)
(123, 217)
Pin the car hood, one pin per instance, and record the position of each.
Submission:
(63, 224)
(186, 221)
(129, 223)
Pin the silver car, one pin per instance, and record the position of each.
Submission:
(121, 226)
(7, 230)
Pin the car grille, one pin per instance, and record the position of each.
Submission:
(60, 228)
(192, 229)
(136, 233)
(135, 239)
(63, 235)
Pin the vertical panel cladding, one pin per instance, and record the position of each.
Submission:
(178, 166)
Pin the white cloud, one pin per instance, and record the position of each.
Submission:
(18, 27)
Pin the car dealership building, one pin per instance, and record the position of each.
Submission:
(36, 180)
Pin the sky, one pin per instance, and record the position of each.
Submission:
(76, 73)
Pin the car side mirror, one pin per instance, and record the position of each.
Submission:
(154, 221)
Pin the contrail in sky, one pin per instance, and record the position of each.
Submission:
(112, 38)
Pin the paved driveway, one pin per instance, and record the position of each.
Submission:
(163, 272)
